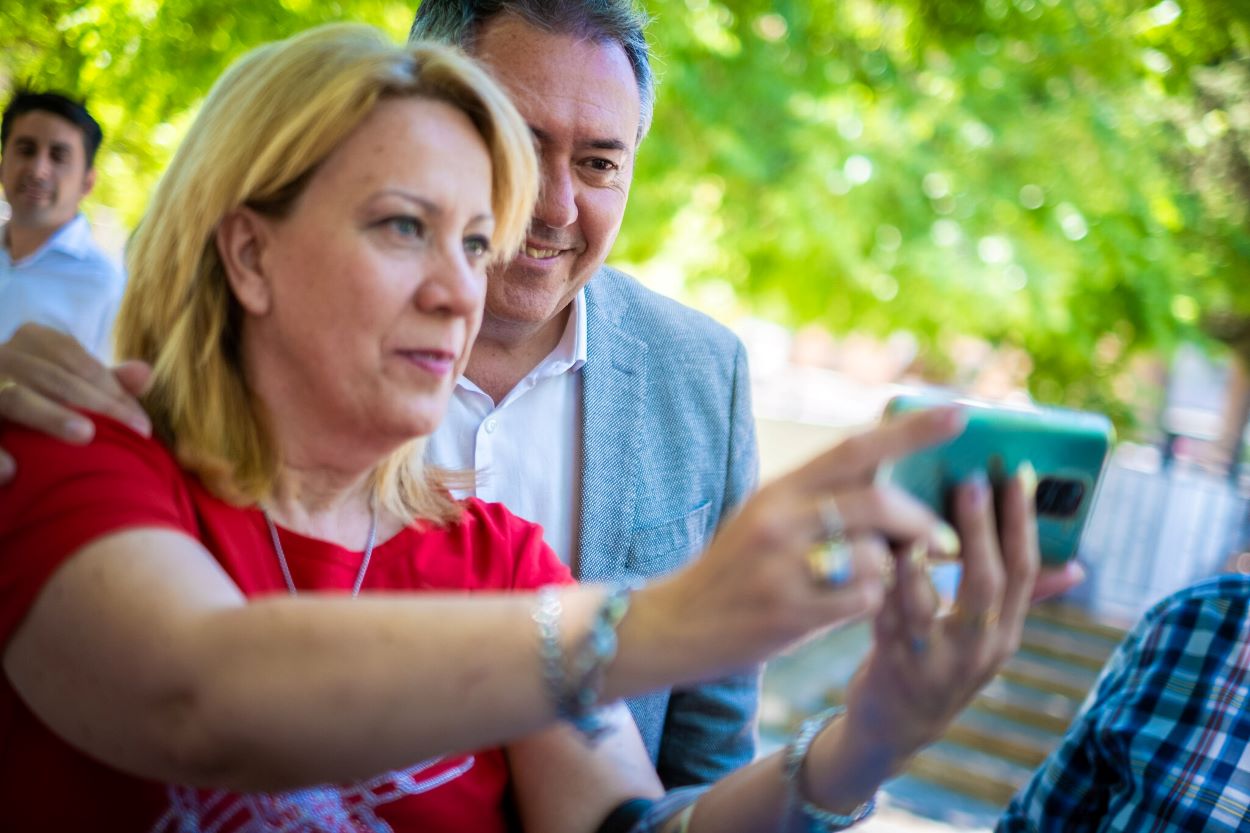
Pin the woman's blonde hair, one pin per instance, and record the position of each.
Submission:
(267, 124)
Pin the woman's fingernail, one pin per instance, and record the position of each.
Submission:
(1028, 479)
(978, 489)
(78, 429)
(947, 540)
(918, 556)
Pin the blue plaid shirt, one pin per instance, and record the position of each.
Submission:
(1163, 742)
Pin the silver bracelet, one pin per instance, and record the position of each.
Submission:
(817, 819)
(575, 686)
(546, 614)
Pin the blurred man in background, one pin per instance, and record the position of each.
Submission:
(51, 270)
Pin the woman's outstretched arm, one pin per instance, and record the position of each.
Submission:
(141, 651)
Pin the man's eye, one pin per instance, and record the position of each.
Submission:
(604, 165)
(477, 246)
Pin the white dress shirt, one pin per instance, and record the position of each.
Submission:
(68, 283)
(525, 449)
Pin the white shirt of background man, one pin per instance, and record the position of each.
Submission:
(525, 450)
(68, 283)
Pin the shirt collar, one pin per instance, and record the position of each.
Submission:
(570, 353)
(73, 238)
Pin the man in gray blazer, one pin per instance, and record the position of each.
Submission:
(618, 419)
(571, 350)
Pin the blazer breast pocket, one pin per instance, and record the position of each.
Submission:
(666, 546)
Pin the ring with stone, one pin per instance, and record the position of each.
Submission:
(830, 561)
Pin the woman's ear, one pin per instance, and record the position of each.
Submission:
(241, 238)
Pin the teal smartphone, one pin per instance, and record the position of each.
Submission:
(1068, 449)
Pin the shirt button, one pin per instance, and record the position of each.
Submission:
(490, 425)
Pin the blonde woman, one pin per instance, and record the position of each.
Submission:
(259, 620)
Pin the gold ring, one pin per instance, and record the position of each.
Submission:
(6, 383)
(918, 557)
(982, 621)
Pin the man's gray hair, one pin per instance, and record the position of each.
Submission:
(612, 21)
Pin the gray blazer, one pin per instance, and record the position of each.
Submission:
(668, 450)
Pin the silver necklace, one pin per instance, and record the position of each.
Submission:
(364, 562)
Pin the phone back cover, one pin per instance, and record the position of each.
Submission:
(1060, 443)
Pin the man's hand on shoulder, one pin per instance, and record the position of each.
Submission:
(45, 373)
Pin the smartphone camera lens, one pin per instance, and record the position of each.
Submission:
(1058, 497)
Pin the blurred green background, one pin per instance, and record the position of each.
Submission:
(1064, 178)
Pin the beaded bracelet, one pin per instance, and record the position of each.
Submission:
(574, 687)
(599, 647)
(818, 819)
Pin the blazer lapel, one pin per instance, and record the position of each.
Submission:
(614, 380)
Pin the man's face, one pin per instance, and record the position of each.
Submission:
(44, 170)
(581, 100)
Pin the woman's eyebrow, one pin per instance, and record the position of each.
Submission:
(425, 202)
(429, 205)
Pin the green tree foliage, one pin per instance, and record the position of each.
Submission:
(1056, 175)
(1065, 176)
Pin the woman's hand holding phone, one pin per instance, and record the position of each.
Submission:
(926, 665)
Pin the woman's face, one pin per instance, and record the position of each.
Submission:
(375, 281)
